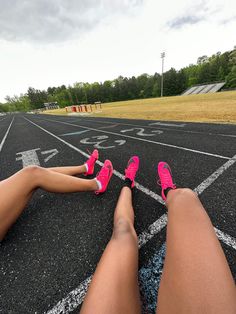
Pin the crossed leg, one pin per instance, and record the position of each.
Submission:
(16, 191)
(114, 287)
(196, 277)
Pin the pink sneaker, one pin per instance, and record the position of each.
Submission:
(165, 176)
(104, 176)
(91, 162)
(132, 168)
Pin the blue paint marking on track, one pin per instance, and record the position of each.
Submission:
(75, 133)
(149, 280)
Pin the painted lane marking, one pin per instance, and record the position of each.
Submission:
(226, 135)
(141, 132)
(76, 297)
(100, 139)
(51, 152)
(6, 134)
(152, 230)
(206, 183)
(72, 300)
(75, 133)
(145, 140)
(151, 127)
(226, 238)
(109, 126)
(29, 157)
(168, 124)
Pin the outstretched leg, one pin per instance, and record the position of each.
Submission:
(196, 277)
(16, 191)
(87, 168)
(70, 170)
(114, 287)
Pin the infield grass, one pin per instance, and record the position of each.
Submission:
(217, 107)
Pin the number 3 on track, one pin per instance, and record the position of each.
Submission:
(99, 141)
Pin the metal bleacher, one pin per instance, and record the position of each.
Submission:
(204, 88)
(189, 90)
(217, 87)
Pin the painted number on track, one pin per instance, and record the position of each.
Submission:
(98, 141)
(30, 157)
(141, 132)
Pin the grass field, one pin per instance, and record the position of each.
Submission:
(217, 107)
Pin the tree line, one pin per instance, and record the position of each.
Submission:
(218, 67)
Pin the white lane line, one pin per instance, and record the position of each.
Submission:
(226, 135)
(152, 230)
(143, 140)
(206, 183)
(168, 124)
(117, 173)
(72, 300)
(75, 133)
(152, 127)
(227, 239)
(108, 126)
(6, 134)
(76, 296)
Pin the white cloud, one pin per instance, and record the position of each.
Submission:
(120, 44)
(58, 20)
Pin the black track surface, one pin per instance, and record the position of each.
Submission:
(58, 240)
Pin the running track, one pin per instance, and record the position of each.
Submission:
(49, 255)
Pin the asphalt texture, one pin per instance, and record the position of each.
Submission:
(58, 240)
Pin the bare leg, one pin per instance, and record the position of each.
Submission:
(196, 276)
(69, 170)
(16, 191)
(114, 287)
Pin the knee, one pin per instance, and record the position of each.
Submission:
(32, 170)
(181, 194)
(33, 173)
(123, 228)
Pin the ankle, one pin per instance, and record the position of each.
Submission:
(128, 183)
(96, 184)
(85, 168)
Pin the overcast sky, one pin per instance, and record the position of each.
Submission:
(49, 43)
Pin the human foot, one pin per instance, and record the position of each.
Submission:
(91, 162)
(104, 176)
(131, 170)
(166, 181)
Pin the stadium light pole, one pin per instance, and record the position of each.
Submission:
(163, 54)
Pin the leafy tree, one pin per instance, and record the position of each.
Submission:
(231, 78)
(218, 67)
(37, 97)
